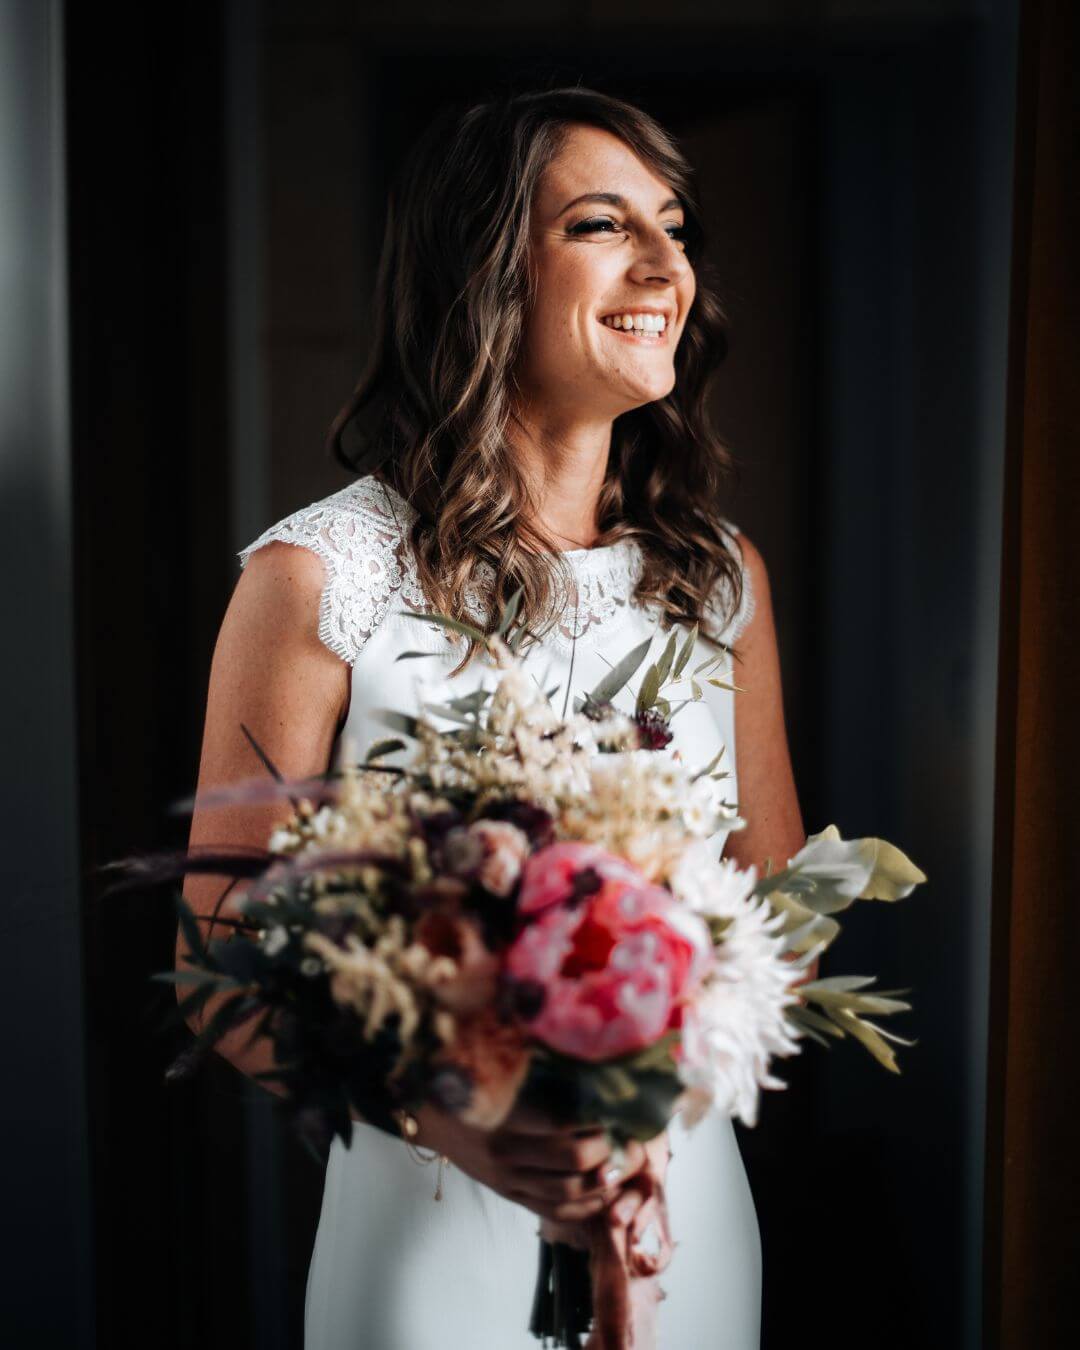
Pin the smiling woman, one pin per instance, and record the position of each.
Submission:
(543, 340)
(522, 419)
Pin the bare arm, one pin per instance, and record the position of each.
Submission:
(271, 672)
(774, 828)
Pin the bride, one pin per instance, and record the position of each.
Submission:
(535, 416)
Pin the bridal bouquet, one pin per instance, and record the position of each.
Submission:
(529, 910)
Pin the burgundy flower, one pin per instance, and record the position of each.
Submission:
(654, 731)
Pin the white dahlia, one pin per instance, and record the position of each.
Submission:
(736, 1022)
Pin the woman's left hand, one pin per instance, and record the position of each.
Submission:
(631, 1245)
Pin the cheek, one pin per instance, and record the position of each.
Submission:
(570, 290)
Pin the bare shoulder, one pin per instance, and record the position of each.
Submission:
(277, 594)
(270, 667)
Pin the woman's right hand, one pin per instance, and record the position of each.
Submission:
(561, 1172)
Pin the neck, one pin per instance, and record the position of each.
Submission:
(564, 462)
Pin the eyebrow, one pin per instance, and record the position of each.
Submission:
(614, 199)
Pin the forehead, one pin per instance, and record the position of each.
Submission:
(592, 159)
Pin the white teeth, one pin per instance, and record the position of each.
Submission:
(641, 323)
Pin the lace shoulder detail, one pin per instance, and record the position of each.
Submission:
(737, 624)
(361, 534)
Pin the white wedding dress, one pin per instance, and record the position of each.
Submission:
(393, 1269)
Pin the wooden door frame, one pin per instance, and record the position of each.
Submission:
(1032, 1194)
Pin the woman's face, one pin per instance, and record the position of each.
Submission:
(606, 243)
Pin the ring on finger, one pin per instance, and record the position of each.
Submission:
(614, 1169)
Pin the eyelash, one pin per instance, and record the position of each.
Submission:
(678, 232)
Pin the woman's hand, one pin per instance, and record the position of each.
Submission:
(631, 1247)
(559, 1171)
(641, 1209)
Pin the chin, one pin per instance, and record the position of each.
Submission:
(653, 392)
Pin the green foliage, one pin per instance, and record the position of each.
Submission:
(619, 675)
(509, 612)
(840, 1004)
(384, 747)
(444, 621)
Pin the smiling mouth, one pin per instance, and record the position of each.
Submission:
(650, 336)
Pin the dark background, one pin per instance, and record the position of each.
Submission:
(205, 207)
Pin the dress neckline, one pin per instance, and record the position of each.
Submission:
(578, 557)
(595, 590)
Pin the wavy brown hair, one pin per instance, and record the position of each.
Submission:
(430, 412)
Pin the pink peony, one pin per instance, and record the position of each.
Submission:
(615, 955)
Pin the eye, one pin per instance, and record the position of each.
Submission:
(593, 225)
(605, 225)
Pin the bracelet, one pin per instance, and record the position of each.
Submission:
(410, 1128)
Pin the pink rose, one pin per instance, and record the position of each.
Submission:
(616, 956)
(505, 849)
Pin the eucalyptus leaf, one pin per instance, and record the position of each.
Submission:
(839, 983)
(685, 652)
(713, 660)
(814, 1036)
(386, 746)
(650, 687)
(711, 764)
(396, 721)
(451, 714)
(667, 656)
(813, 1019)
(723, 684)
(808, 957)
(814, 932)
(894, 875)
(890, 1035)
(445, 621)
(509, 613)
(616, 678)
(472, 701)
(863, 869)
(874, 1003)
(867, 1036)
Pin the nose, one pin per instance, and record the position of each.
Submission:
(660, 259)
